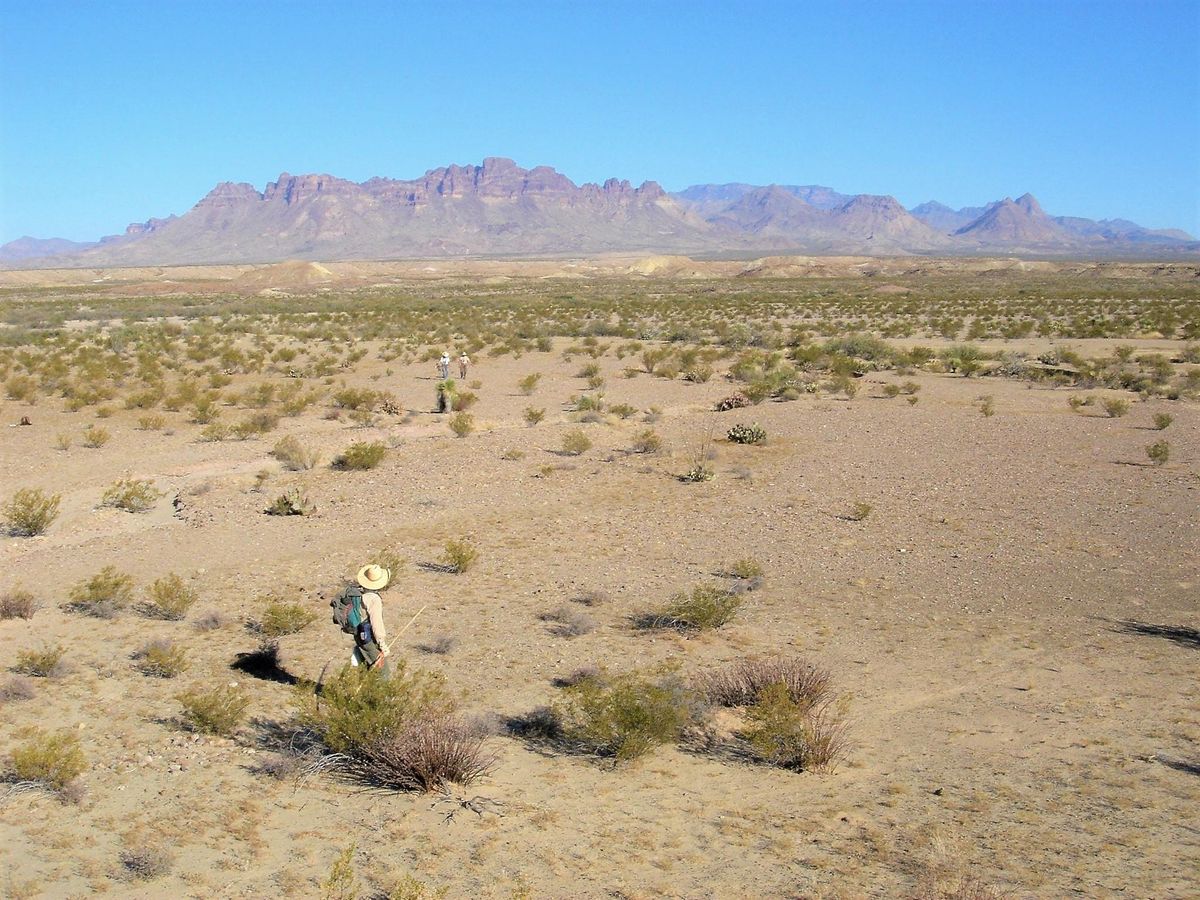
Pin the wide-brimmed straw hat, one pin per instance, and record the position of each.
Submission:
(373, 577)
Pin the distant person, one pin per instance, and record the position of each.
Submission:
(464, 362)
(444, 365)
(359, 610)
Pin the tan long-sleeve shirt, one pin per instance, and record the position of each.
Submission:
(374, 607)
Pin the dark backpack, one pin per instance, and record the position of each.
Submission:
(348, 610)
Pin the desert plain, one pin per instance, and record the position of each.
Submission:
(971, 539)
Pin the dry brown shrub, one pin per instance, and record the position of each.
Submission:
(740, 683)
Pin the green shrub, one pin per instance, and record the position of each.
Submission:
(646, 441)
(170, 598)
(217, 710)
(705, 606)
(459, 556)
(214, 431)
(747, 434)
(786, 733)
(152, 422)
(48, 662)
(744, 568)
(280, 618)
(293, 502)
(1115, 407)
(53, 759)
(341, 883)
(891, 390)
(575, 442)
(103, 595)
(625, 717)
(30, 512)
(361, 456)
(529, 383)
(533, 416)
(1162, 420)
(462, 424)
(1159, 452)
(161, 659)
(133, 495)
(294, 455)
(623, 410)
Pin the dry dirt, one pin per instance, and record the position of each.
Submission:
(1010, 720)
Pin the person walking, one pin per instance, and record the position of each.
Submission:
(463, 362)
(359, 610)
(444, 365)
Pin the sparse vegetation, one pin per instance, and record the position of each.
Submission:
(292, 502)
(1162, 420)
(459, 556)
(361, 455)
(576, 442)
(859, 510)
(280, 618)
(747, 434)
(986, 406)
(48, 662)
(1115, 407)
(786, 733)
(705, 606)
(1159, 453)
(646, 441)
(293, 455)
(745, 567)
(145, 863)
(52, 759)
(133, 495)
(216, 710)
(529, 383)
(104, 595)
(18, 603)
(741, 683)
(95, 437)
(170, 597)
(161, 659)
(533, 416)
(30, 511)
(462, 424)
(624, 717)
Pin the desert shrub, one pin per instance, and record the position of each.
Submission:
(50, 758)
(1162, 420)
(398, 732)
(623, 410)
(858, 511)
(103, 595)
(733, 401)
(569, 622)
(512, 454)
(705, 606)
(356, 398)
(646, 441)
(744, 568)
(591, 370)
(279, 618)
(48, 662)
(462, 424)
(533, 416)
(624, 717)
(161, 659)
(591, 598)
(341, 883)
(146, 863)
(1115, 407)
(387, 558)
(1159, 452)
(293, 455)
(133, 495)
(169, 598)
(21, 387)
(361, 455)
(698, 374)
(786, 733)
(30, 511)
(463, 400)
(891, 390)
(63, 442)
(95, 437)
(588, 403)
(529, 383)
(741, 683)
(210, 620)
(18, 603)
(217, 710)
(214, 431)
(293, 502)
(698, 472)
(459, 556)
(909, 388)
(747, 434)
(254, 425)
(153, 422)
(17, 689)
(575, 442)
(986, 406)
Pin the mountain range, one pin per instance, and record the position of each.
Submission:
(501, 209)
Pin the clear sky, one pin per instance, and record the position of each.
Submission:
(113, 112)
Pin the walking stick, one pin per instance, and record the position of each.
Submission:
(388, 649)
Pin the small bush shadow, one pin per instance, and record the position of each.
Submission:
(263, 663)
(1180, 634)
(1191, 767)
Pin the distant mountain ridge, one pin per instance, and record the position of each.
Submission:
(499, 208)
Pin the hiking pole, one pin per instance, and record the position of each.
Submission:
(388, 648)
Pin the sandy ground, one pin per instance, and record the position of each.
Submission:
(1006, 725)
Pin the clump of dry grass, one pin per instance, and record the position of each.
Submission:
(568, 622)
(48, 662)
(294, 455)
(17, 689)
(740, 683)
(145, 863)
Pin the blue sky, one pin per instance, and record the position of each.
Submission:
(112, 112)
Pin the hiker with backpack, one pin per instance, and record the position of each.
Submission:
(359, 611)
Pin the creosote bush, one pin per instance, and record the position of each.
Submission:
(48, 662)
(575, 442)
(52, 759)
(399, 732)
(170, 598)
(786, 733)
(459, 556)
(293, 455)
(103, 595)
(30, 511)
(161, 659)
(462, 423)
(1115, 407)
(624, 717)
(529, 383)
(744, 568)
(1159, 453)
(1162, 420)
(280, 618)
(705, 606)
(18, 604)
(646, 441)
(533, 416)
(217, 710)
(361, 455)
(95, 437)
(131, 494)
(740, 683)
